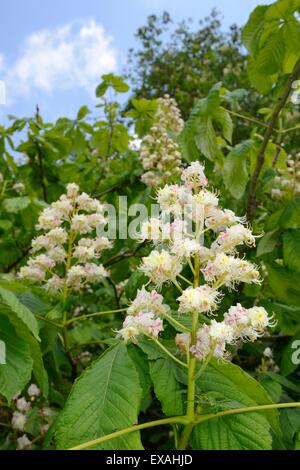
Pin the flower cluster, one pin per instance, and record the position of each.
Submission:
(287, 182)
(208, 239)
(239, 324)
(63, 256)
(160, 153)
(22, 415)
(143, 316)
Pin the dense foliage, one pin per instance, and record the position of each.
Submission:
(182, 336)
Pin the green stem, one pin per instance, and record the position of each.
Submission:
(163, 348)
(96, 314)
(177, 285)
(190, 411)
(47, 320)
(204, 364)
(248, 118)
(246, 409)
(185, 279)
(136, 427)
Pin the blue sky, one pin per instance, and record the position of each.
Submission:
(52, 52)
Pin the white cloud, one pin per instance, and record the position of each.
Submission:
(74, 55)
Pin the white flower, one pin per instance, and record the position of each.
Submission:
(22, 404)
(19, 187)
(151, 179)
(228, 270)
(198, 299)
(34, 274)
(23, 442)
(218, 219)
(206, 198)
(95, 219)
(64, 205)
(81, 224)
(183, 341)
(194, 175)
(50, 218)
(58, 254)
(43, 262)
(58, 235)
(75, 276)
(203, 344)
(232, 237)
(43, 241)
(94, 272)
(33, 391)
(161, 267)
(148, 301)
(259, 319)
(220, 331)
(72, 190)
(54, 283)
(151, 229)
(86, 203)
(83, 253)
(186, 248)
(143, 322)
(18, 421)
(173, 198)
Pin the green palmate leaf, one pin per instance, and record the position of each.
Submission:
(290, 424)
(228, 383)
(167, 389)
(235, 172)
(223, 117)
(252, 31)
(140, 361)
(205, 137)
(290, 360)
(291, 34)
(262, 82)
(290, 217)
(19, 309)
(270, 56)
(16, 372)
(267, 243)
(284, 284)
(291, 249)
(104, 399)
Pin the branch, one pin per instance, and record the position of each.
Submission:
(42, 172)
(246, 409)
(261, 152)
(136, 427)
(122, 255)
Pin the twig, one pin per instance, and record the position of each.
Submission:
(261, 152)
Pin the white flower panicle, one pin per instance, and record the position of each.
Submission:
(206, 242)
(160, 152)
(69, 244)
